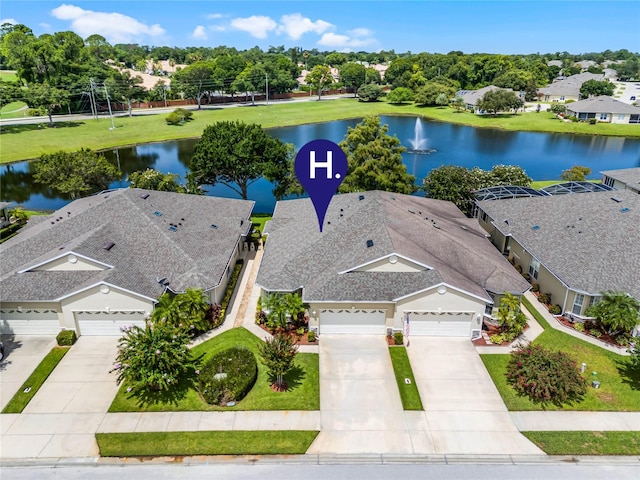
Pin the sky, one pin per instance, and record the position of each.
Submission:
(510, 27)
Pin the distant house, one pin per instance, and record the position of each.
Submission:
(623, 179)
(554, 63)
(574, 246)
(586, 64)
(471, 97)
(101, 262)
(382, 258)
(567, 89)
(4, 214)
(604, 109)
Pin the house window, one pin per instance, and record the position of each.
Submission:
(577, 304)
(603, 116)
(562, 98)
(620, 116)
(596, 299)
(483, 216)
(534, 268)
(634, 118)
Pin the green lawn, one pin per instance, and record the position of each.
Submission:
(586, 443)
(35, 380)
(265, 442)
(538, 184)
(13, 110)
(303, 380)
(22, 142)
(8, 75)
(260, 219)
(619, 384)
(402, 368)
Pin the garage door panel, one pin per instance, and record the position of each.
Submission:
(441, 324)
(29, 322)
(102, 323)
(343, 321)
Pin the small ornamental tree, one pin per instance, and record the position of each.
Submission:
(616, 313)
(186, 310)
(511, 318)
(577, 173)
(154, 357)
(545, 376)
(278, 355)
(370, 92)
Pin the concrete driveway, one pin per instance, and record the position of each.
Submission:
(62, 418)
(360, 405)
(23, 353)
(464, 413)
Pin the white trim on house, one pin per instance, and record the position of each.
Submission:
(385, 257)
(65, 254)
(443, 284)
(110, 285)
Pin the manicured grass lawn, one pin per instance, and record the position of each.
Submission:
(35, 380)
(586, 443)
(13, 110)
(402, 368)
(22, 142)
(264, 442)
(303, 380)
(538, 184)
(8, 75)
(619, 384)
(261, 219)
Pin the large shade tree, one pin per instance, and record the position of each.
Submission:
(319, 78)
(375, 160)
(237, 154)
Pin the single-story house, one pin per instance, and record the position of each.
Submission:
(4, 214)
(604, 109)
(471, 97)
(574, 246)
(101, 262)
(567, 89)
(383, 258)
(623, 179)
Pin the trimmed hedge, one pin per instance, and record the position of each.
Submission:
(241, 369)
(66, 338)
(231, 286)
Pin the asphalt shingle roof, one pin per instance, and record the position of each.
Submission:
(589, 241)
(602, 104)
(145, 248)
(629, 176)
(298, 255)
(571, 85)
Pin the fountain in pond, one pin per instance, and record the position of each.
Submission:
(419, 142)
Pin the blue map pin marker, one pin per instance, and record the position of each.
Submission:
(321, 166)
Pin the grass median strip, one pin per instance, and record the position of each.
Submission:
(402, 368)
(265, 442)
(586, 443)
(22, 398)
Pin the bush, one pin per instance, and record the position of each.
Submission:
(261, 317)
(555, 309)
(595, 332)
(592, 121)
(518, 268)
(186, 115)
(544, 298)
(173, 119)
(545, 376)
(215, 315)
(311, 336)
(398, 338)
(497, 339)
(578, 327)
(535, 287)
(66, 338)
(241, 369)
(231, 286)
(527, 277)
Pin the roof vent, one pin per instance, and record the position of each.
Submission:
(108, 245)
(361, 197)
(411, 210)
(369, 243)
(436, 225)
(173, 228)
(157, 213)
(464, 227)
(624, 209)
(535, 227)
(144, 196)
(214, 226)
(616, 199)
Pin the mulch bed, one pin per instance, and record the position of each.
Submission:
(490, 329)
(298, 340)
(603, 338)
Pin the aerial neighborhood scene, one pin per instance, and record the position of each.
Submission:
(319, 232)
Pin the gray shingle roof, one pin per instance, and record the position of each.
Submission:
(628, 176)
(571, 85)
(602, 104)
(194, 255)
(298, 255)
(585, 240)
(471, 97)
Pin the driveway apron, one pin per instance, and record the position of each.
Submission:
(360, 405)
(463, 409)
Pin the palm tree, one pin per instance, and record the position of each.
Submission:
(617, 312)
(192, 308)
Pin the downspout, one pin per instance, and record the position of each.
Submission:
(564, 305)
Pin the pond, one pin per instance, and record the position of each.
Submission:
(542, 155)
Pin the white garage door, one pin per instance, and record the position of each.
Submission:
(28, 321)
(441, 324)
(352, 321)
(107, 323)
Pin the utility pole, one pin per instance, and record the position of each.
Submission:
(113, 126)
(266, 80)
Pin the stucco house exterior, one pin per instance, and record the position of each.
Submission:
(575, 246)
(567, 89)
(101, 262)
(623, 179)
(382, 258)
(604, 109)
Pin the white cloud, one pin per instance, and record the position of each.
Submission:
(295, 25)
(12, 21)
(256, 25)
(200, 33)
(361, 32)
(115, 27)
(337, 41)
(214, 16)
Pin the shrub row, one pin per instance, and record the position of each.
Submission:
(66, 338)
(228, 376)
(231, 286)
